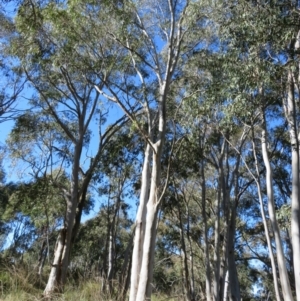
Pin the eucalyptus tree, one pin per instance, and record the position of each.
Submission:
(41, 205)
(252, 31)
(191, 212)
(53, 57)
(101, 249)
(152, 35)
(290, 99)
(118, 173)
(215, 133)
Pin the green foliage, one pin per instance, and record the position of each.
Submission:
(233, 66)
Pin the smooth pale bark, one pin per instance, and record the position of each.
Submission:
(226, 179)
(76, 198)
(83, 107)
(152, 254)
(291, 117)
(60, 269)
(226, 285)
(142, 283)
(79, 101)
(140, 224)
(147, 239)
(146, 274)
(54, 277)
(265, 224)
(61, 257)
(283, 275)
(263, 214)
(69, 223)
(162, 66)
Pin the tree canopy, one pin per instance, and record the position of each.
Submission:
(174, 126)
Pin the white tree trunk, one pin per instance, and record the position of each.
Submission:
(266, 228)
(145, 285)
(61, 258)
(140, 225)
(283, 275)
(146, 221)
(52, 284)
(226, 286)
(110, 269)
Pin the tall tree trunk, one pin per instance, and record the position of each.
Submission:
(220, 257)
(144, 289)
(61, 257)
(110, 258)
(75, 201)
(146, 275)
(265, 223)
(144, 244)
(291, 117)
(206, 244)
(140, 224)
(217, 249)
(217, 230)
(124, 277)
(62, 253)
(112, 243)
(192, 277)
(284, 278)
(234, 285)
(53, 283)
(226, 286)
(225, 230)
(186, 276)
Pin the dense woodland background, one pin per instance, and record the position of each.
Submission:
(178, 122)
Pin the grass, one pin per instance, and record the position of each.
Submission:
(23, 284)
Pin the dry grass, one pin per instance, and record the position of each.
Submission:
(23, 284)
